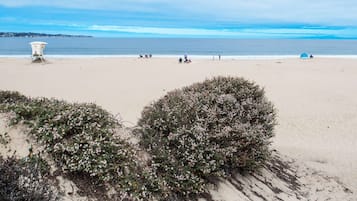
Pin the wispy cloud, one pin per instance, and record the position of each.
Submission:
(327, 12)
(186, 18)
(253, 32)
(163, 30)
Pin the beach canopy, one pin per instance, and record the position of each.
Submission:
(304, 55)
(37, 50)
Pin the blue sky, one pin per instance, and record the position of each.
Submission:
(184, 18)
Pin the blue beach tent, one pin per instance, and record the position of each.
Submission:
(304, 56)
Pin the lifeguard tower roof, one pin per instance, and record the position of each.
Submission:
(38, 43)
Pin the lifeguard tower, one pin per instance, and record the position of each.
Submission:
(37, 51)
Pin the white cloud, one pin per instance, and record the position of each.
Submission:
(163, 31)
(238, 33)
(331, 12)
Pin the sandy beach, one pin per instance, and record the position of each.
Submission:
(316, 99)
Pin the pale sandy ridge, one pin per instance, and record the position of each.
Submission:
(315, 99)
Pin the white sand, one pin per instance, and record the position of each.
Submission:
(19, 144)
(316, 99)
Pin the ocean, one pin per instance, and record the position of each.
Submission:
(172, 47)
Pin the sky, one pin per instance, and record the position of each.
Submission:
(323, 19)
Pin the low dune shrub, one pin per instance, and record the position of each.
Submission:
(79, 136)
(193, 135)
(206, 130)
(81, 140)
(25, 179)
(11, 97)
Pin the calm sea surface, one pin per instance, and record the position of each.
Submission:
(136, 46)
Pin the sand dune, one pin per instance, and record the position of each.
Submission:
(315, 99)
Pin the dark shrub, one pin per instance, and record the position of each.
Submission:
(205, 130)
(24, 180)
(11, 97)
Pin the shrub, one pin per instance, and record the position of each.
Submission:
(11, 97)
(206, 130)
(24, 180)
(80, 138)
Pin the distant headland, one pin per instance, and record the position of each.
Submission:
(31, 34)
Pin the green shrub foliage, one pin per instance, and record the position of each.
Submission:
(11, 97)
(206, 130)
(25, 180)
(79, 136)
(81, 140)
(192, 135)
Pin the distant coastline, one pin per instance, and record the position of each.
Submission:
(31, 35)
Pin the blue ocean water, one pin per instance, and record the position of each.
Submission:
(169, 46)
